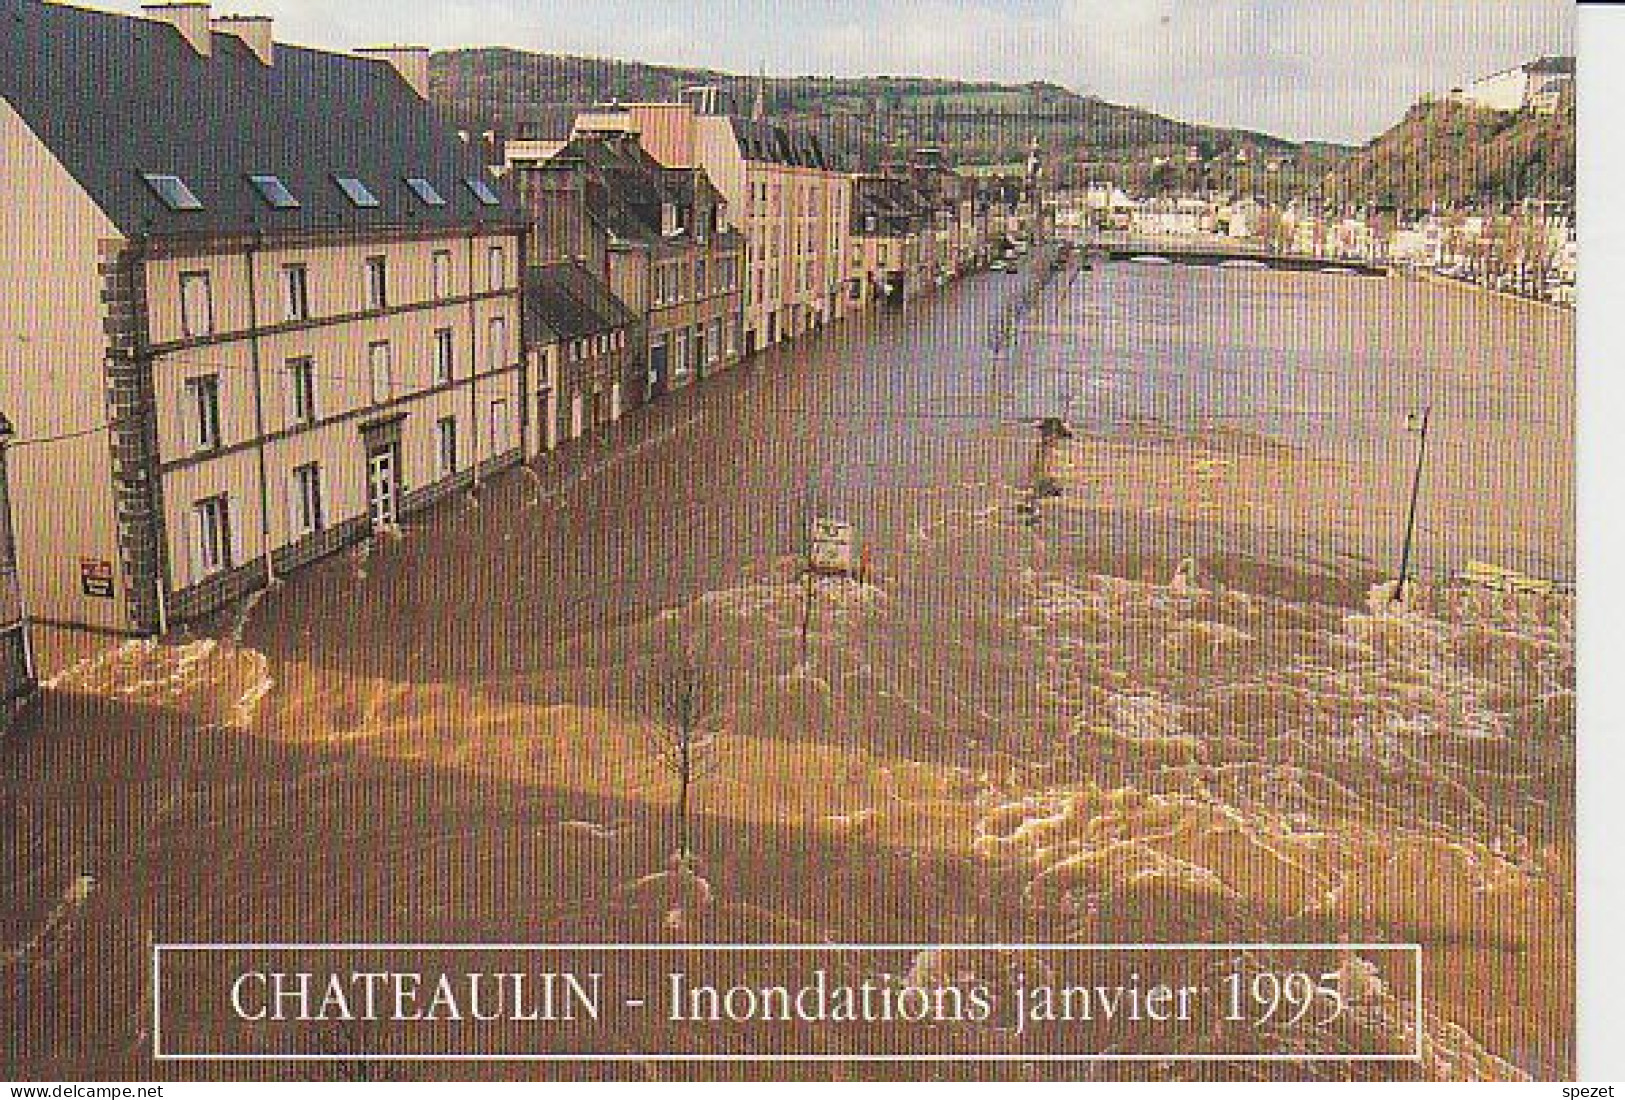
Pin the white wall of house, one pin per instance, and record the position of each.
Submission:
(1502, 91)
(52, 382)
(463, 292)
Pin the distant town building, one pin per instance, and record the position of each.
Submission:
(272, 305)
(887, 224)
(1534, 86)
(954, 226)
(1177, 216)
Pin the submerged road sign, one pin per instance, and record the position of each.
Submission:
(832, 547)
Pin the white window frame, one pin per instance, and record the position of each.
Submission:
(445, 356)
(496, 344)
(203, 412)
(307, 505)
(441, 274)
(501, 423)
(447, 446)
(213, 551)
(380, 371)
(496, 267)
(377, 278)
(302, 407)
(295, 292)
(191, 284)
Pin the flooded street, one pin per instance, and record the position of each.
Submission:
(1179, 708)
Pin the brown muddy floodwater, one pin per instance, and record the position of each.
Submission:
(1178, 709)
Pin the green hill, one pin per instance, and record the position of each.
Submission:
(1450, 155)
(528, 94)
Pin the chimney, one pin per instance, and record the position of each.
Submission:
(191, 19)
(254, 30)
(412, 62)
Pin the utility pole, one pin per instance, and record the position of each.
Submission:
(1043, 486)
(1417, 423)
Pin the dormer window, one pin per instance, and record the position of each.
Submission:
(482, 191)
(274, 192)
(357, 192)
(173, 192)
(425, 191)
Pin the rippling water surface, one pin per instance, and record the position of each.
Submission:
(1180, 708)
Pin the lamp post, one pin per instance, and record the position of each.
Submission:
(1418, 423)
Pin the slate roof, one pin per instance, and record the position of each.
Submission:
(628, 188)
(115, 96)
(564, 301)
(896, 206)
(1560, 65)
(775, 144)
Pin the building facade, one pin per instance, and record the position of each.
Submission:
(1537, 86)
(249, 340)
(783, 188)
(583, 344)
(887, 226)
(17, 676)
(659, 237)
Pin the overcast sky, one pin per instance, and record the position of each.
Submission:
(1302, 69)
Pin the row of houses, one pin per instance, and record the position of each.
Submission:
(261, 302)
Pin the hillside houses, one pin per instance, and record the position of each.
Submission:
(1537, 86)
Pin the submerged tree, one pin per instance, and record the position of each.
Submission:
(682, 704)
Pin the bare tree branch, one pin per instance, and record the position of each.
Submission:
(681, 703)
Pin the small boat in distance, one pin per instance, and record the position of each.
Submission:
(1244, 265)
(1157, 261)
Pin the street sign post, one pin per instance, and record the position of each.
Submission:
(832, 547)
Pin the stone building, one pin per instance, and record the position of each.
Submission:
(784, 188)
(658, 236)
(584, 347)
(272, 304)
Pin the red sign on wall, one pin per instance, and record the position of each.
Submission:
(96, 578)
